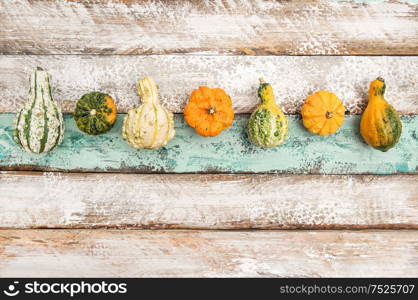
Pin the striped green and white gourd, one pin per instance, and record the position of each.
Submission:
(39, 125)
(150, 125)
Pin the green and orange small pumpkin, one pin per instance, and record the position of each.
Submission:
(95, 113)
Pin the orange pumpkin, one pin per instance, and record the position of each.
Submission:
(209, 111)
(323, 113)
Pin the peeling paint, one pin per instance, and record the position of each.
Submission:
(341, 153)
(292, 77)
(310, 27)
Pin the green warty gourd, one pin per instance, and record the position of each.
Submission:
(267, 126)
(39, 125)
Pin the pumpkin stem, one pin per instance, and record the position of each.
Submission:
(329, 115)
(211, 110)
(39, 69)
(261, 80)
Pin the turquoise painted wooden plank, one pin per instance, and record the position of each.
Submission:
(230, 152)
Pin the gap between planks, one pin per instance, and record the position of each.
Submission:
(308, 27)
(292, 78)
(207, 202)
(98, 253)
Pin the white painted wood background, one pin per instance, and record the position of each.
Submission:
(73, 224)
(293, 78)
(144, 253)
(189, 201)
(250, 27)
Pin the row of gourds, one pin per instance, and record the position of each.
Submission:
(39, 125)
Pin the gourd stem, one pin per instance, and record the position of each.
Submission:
(265, 92)
(377, 90)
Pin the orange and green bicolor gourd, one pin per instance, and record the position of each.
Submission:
(380, 125)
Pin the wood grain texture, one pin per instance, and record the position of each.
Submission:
(230, 152)
(59, 200)
(98, 253)
(293, 78)
(228, 27)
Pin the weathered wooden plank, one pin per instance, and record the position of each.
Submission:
(293, 78)
(98, 253)
(191, 201)
(229, 152)
(228, 27)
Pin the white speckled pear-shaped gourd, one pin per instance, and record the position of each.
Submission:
(39, 125)
(150, 125)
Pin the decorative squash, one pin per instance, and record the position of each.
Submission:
(380, 125)
(323, 113)
(95, 113)
(39, 125)
(150, 125)
(267, 126)
(209, 111)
